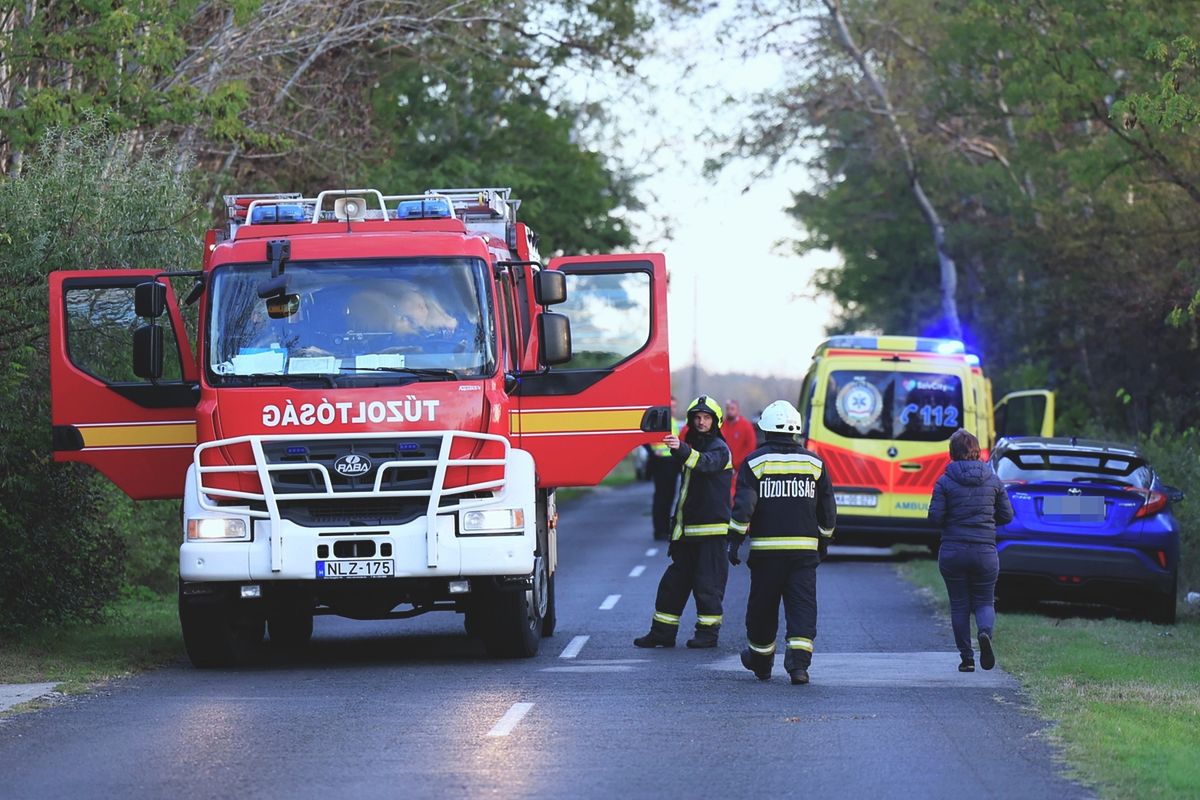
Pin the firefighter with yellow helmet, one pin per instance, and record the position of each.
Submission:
(784, 500)
(698, 557)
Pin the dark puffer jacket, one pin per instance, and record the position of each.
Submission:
(968, 502)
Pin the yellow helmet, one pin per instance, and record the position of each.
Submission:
(705, 403)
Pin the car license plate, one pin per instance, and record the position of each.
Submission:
(856, 500)
(357, 568)
(1084, 509)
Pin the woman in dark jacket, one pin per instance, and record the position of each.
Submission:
(968, 502)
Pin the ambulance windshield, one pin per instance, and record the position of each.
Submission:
(907, 406)
(411, 318)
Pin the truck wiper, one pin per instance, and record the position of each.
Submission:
(258, 379)
(420, 372)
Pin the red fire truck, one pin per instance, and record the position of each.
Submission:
(376, 412)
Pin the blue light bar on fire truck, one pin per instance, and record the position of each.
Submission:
(425, 208)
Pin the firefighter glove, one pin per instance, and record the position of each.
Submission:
(734, 546)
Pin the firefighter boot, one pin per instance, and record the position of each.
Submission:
(706, 636)
(660, 635)
(758, 663)
(796, 664)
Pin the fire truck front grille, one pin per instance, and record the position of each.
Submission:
(362, 511)
(352, 513)
(335, 453)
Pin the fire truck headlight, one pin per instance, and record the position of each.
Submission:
(493, 520)
(206, 530)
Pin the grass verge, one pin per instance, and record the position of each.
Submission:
(134, 633)
(1125, 694)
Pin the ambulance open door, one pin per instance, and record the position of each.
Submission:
(1025, 413)
(580, 418)
(138, 432)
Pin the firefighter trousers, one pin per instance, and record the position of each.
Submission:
(792, 579)
(698, 567)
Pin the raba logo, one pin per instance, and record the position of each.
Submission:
(352, 465)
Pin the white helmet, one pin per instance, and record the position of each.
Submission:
(781, 417)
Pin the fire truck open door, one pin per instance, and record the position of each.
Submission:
(139, 433)
(579, 419)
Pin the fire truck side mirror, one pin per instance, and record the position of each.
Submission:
(550, 287)
(554, 338)
(150, 299)
(148, 351)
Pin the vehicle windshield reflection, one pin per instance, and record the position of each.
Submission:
(422, 318)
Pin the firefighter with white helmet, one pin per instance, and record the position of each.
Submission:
(698, 562)
(784, 500)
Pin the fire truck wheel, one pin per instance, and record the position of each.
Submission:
(514, 628)
(551, 617)
(290, 629)
(212, 636)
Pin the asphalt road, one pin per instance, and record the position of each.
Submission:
(413, 709)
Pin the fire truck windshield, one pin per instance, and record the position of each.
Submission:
(413, 319)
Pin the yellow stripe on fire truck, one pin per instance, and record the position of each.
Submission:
(561, 421)
(138, 434)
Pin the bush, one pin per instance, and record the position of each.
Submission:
(85, 199)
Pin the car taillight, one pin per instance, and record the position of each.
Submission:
(1153, 503)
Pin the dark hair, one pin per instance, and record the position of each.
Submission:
(964, 446)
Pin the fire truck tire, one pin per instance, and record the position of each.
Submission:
(290, 630)
(515, 618)
(213, 638)
(551, 618)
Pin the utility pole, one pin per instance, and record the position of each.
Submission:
(695, 335)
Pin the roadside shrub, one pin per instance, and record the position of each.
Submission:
(85, 199)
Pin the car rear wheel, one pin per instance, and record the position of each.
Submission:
(1160, 606)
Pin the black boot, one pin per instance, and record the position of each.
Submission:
(660, 635)
(799, 676)
(758, 663)
(706, 636)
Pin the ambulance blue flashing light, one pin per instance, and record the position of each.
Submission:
(273, 213)
(433, 208)
(920, 344)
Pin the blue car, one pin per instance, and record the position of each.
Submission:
(1092, 523)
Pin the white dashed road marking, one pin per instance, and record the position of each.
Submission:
(609, 602)
(638, 570)
(573, 648)
(652, 552)
(510, 719)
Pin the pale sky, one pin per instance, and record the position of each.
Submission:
(753, 298)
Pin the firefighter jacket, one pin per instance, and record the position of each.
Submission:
(703, 507)
(785, 500)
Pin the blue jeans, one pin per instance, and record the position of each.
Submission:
(970, 571)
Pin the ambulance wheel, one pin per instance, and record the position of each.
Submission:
(212, 636)
(290, 630)
(514, 629)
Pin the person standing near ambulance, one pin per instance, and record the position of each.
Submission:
(698, 564)
(739, 434)
(785, 501)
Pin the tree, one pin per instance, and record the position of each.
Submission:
(82, 202)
